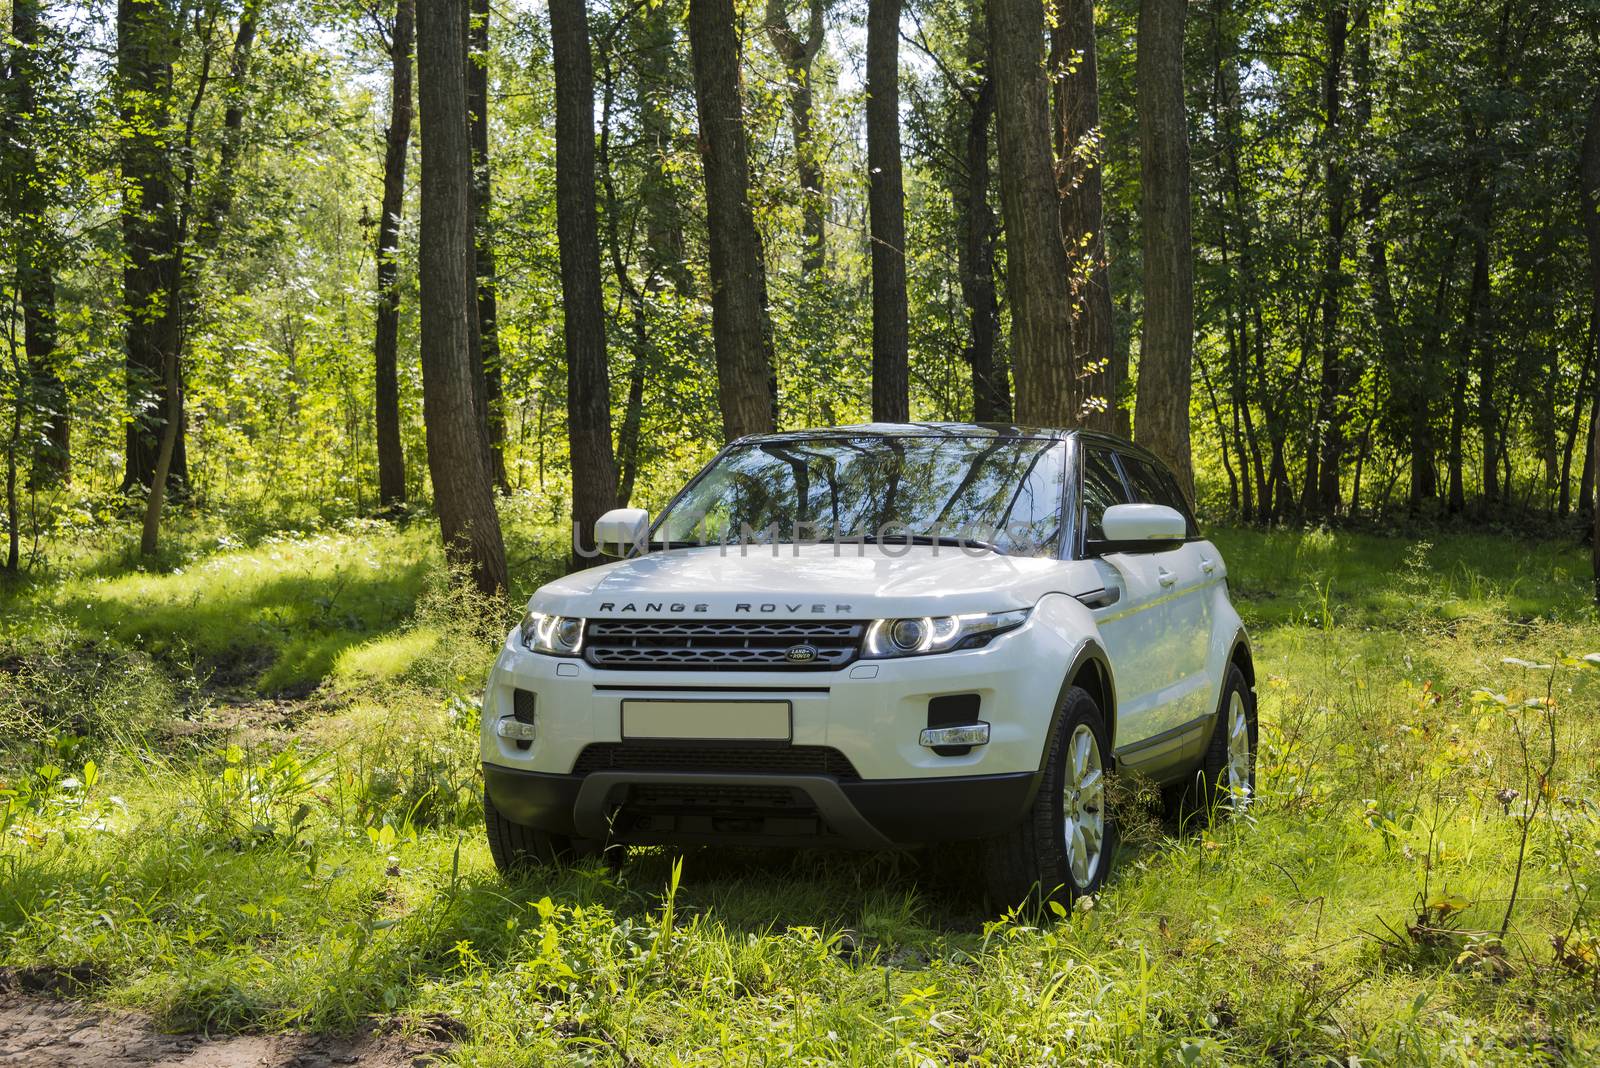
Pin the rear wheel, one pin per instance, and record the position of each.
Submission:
(1225, 784)
(517, 849)
(1063, 848)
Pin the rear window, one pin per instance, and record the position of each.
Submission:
(1154, 484)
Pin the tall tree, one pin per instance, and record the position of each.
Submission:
(1166, 345)
(594, 467)
(799, 53)
(483, 243)
(741, 327)
(1325, 446)
(887, 210)
(25, 199)
(231, 143)
(147, 45)
(386, 334)
(975, 234)
(1102, 366)
(650, 42)
(1589, 205)
(463, 487)
(1036, 262)
(203, 227)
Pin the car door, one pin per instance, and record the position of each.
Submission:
(1128, 613)
(1185, 575)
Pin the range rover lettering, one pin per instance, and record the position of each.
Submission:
(877, 637)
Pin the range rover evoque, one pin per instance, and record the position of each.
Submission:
(879, 636)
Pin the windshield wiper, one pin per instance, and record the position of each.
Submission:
(921, 539)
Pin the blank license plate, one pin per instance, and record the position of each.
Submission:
(727, 720)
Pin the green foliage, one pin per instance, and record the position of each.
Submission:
(236, 864)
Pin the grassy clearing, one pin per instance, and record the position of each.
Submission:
(316, 862)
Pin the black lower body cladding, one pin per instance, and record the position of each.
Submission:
(739, 808)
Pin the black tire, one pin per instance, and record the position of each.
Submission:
(1208, 795)
(517, 849)
(1030, 863)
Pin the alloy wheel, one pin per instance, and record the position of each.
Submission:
(1238, 778)
(1083, 805)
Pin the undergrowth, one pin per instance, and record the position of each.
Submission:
(242, 793)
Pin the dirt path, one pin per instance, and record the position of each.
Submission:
(47, 1033)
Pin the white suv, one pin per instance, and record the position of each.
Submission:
(879, 636)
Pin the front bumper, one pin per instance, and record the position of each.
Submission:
(872, 713)
(697, 808)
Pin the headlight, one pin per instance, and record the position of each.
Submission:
(938, 634)
(552, 635)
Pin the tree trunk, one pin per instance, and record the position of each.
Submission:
(386, 335)
(483, 239)
(220, 204)
(155, 501)
(13, 512)
(1325, 447)
(975, 226)
(1161, 415)
(594, 468)
(741, 329)
(887, 210)
(35, 279)
(1079, 156)
(798, 53)
(1589, 185)
(1036, 263)
(1251, 327)
(1591, 356)
(463, 488)
(1477, 344)
(1457, 499)
(147, 42)
(1476, 348)
(663, 255)
(13, 447)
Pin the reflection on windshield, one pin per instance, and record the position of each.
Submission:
(1005, 492)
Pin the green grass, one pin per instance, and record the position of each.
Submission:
(234, 863)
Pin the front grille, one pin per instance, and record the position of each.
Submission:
(732, 758)
(729, 645)
(716, 796)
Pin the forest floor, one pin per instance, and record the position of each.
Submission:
(240, 824)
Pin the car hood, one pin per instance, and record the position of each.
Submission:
(810, 582)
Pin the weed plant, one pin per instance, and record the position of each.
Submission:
(242, 793)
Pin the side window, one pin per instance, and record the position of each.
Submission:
(1154, 484)
(1102, 487)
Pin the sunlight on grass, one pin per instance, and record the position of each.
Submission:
(384, 659)
(314, 863)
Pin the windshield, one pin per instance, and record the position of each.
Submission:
(1001, 492)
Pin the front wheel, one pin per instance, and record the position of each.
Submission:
(517, 849)
(1063, 847)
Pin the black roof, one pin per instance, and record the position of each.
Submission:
(934, 430)
(914, 430)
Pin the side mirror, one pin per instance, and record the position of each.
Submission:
(622, 531)
(1143, 523)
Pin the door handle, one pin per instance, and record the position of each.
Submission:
(1207, 566)
(1166, 577)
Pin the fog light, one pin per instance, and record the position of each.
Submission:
(514, 730)
(968, 734)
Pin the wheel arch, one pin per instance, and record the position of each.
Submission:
(1240, 656)
(1091, 671)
